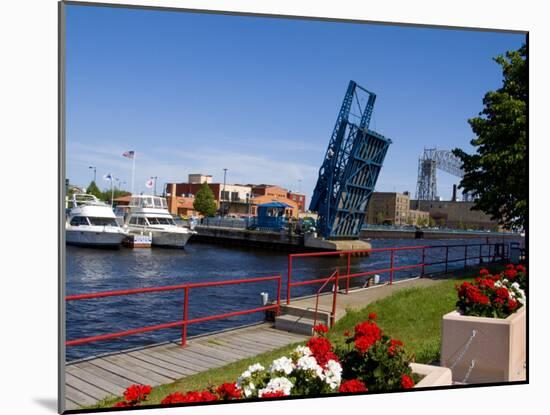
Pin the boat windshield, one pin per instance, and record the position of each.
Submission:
(160, 220)
(102, 221)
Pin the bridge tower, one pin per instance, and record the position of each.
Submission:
(350, 167)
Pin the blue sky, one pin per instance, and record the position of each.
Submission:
(194, 93)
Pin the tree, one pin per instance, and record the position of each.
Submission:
(497, 174)
(92, 189)
(204, 202)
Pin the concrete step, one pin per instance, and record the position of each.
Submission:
(295, 324)
(323, 316)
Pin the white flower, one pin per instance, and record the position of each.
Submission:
(498, 284)
(283, 364)
(277, 385)
(249, 389)
(303, 351)
(256, 368)
(333, 374)
(309, 363)
(516, 286)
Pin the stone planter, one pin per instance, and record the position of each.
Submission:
(498, 348)
(433, 375)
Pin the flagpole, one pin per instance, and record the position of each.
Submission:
(133, 170)
(112, 191)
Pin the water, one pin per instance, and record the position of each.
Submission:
(91, 270)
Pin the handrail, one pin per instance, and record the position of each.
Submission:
(502, 253)
(185, 321)
(334, 275)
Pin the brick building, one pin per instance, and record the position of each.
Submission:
(456, 215)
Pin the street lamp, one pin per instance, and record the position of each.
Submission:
(94, 168)
(224, 195)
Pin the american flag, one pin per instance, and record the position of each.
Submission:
(129, 154)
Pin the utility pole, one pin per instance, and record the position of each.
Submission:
(94, 168)
(223, 192)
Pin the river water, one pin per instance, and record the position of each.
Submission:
(91, 270)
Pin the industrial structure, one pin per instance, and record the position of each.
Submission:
(350, 168)
(428, 163)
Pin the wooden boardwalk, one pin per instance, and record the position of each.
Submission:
(89, 381)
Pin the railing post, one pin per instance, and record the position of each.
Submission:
(185, 316)
(480, 254)
(348, 272)
(391, 266)
(465, 256)
(279, 286)
(423, 260)
(333, 313)
(288, 279)
(446, 258)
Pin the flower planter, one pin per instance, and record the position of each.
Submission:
(498, 348)
(432, 375)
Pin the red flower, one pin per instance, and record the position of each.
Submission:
(499, 301)
(320, 328)
(366, 334)
(511, 273)
(512, 304)
(510, 266)
(321, 348)
(347, 333)
(137, 393)
(520, 268)
(406, 382)
(275, 394)
(502, 292)
(354, 385)
(228, 391)
(483, 272)
(193, 396)
(394, 345)
(122, 404)
(372, 316)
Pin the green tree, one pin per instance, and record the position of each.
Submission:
(431, 222)
(92, 189)
(380, 218)
(204, 202)
(496, 175)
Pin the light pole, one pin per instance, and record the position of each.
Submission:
(154, 178)
(223, 191)
(94, 168)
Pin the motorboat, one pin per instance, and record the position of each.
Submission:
(91, 222)
(149, 215)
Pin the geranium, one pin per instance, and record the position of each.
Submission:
(511, 273)
(276, 394)
(282, 365)
(394, 346)
(484, 271)
(353, 385)
(191, 396)
(277, 385)
(229, 391)
(406, 382)
(136, 393)
(122, 404)
(366, 334)
(321, 349)
(320, 329)
(520, 268)
(372, 316)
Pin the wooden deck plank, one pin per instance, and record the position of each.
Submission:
(228, 349)
(189, 364)
(100, 382)
(195, 355)
(85, 387)
(105, 374)
(285, 334)
(182, 371)
(78, 397)
(244, 343)
(120, 361)
(70, 405)
(274, 342)
(223, 355)
(167, 373)
(127, 373)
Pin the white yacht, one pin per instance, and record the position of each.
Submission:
(91, 222)
(150, 215)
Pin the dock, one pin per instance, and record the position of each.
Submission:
(89, 381)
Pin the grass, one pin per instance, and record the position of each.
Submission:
(412, 315)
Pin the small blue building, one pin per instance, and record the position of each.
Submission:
(272, 215)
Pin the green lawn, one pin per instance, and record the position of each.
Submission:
(412, 315)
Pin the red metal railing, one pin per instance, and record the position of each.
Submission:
(186, 321)
(335, 275)
(494, 250)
